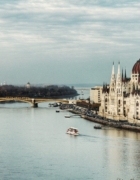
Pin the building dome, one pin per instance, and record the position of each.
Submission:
(28, 85)
(136, 68)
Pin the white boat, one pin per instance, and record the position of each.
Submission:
(97, 127)
(67, 116)
(73, 131)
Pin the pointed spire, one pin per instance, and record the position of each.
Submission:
(119, 68)
(122, 74)
(119, 73)
(113, 73)
(125, 74)
(112, 80)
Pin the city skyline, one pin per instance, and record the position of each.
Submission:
(67, 42)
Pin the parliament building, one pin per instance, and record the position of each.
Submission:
(120, 100)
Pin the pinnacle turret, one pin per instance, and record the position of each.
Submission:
(122, 75)
(125, 74)
(113, 74)
(119, 72)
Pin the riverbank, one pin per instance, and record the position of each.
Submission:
(91, 116)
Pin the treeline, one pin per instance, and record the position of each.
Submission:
(94, 106)
(48, 91)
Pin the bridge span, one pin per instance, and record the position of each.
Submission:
(33, 101)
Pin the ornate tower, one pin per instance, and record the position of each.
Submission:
(112, 110)
(119, 82)
(119, 94)
(112, 81)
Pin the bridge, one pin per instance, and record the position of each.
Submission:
(33, 101)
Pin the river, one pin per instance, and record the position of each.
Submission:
(34, 146)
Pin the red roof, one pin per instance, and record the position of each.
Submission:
(136, 68)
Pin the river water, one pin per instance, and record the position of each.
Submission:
(34, 146)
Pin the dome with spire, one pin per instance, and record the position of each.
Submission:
(136, 68)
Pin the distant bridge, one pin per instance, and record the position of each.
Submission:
(33, 101)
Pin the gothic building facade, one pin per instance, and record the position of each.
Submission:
(120, 100)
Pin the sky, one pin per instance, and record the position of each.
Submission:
(67, 41)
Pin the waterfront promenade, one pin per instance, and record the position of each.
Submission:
(93, 116)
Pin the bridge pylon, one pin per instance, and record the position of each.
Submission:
(34, 104)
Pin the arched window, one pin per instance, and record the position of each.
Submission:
(119, 102)
(106, 100)
(137, 104)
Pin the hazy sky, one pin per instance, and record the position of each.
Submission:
(67, 41)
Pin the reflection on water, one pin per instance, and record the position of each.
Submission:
(34, 146)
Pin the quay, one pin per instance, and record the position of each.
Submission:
(92, 116)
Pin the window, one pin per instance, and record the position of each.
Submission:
(119, 102)
(118, 90)
(137, 104)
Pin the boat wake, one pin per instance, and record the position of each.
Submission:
(84, 135)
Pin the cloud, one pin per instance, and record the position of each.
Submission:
(70, 29)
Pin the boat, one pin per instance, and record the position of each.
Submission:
(67, 116)
(73, 131)
(55, 105)
(58, 110)
(97, 127)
